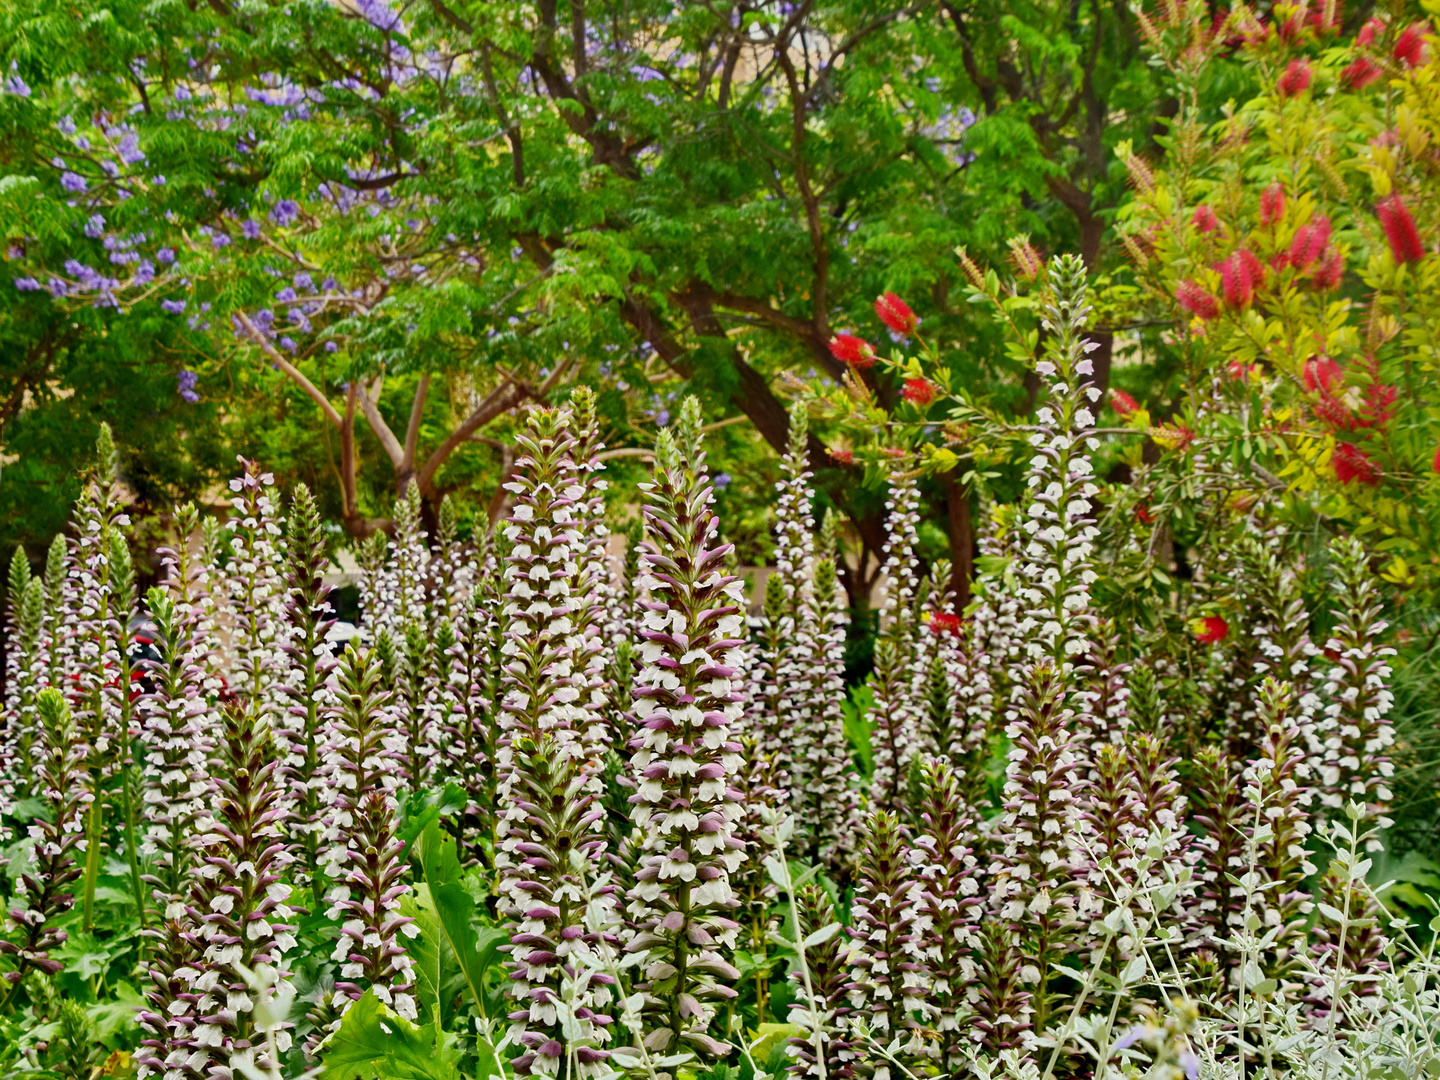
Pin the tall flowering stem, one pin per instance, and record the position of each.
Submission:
(255, 594)
(238, 905)
(177, 751)
(555, 975)
(96, 618)
(538, 608)
(591, 652)
(58, 836)
(1036, 874)
(952, 902)
(826, 805)
(896, 718)
(310, 700)
(1354, 731)
(361, 855)
(23, 683)
(683, 757)
(822, 1050)
(890, 979)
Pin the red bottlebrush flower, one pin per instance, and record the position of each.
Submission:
(1196, 300)
(1318, 22)
(1123, 403)
(1143, 514)
(1239, 275)
(1320, 373)
(919, 391)
(944, 622)
(1209, 629)
(1239, 370)
(1272, 204)
(1333, 413)
(895, 313)
(844, 457)
(1378, 407)
(1204, 219)
(1400, 230)
(1310, 241)
(1410, 45)
(1370, 31)
(1360, 73)
(1296, 79)
(852, 350)
(1351, 465)
(1435, 465)
(1328, 274)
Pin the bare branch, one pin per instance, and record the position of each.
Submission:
(370, 407)
(295, 374)
(412, 432)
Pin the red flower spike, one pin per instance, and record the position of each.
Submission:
(1333, 413)
(1410, 45)
(1378, 407)
(852, 350)
(1143, 514)
(1296, 79)
(1240, 274)
(1123, 403)
(1196, 300)
(919, 392)
(1352, 465)
(1209, 629)
(1272, 204)
(1400, 230)
(943, 622)
(844, 457)
(1370, 31)
(1204, 219)
(1360, 73)
(895, 313)
(1310, 242)
(1328, 274)
(1435, 465)
(1320, 373)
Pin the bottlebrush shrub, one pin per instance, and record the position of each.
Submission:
(1319, 376)
(1070, 834)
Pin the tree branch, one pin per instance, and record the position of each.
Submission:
(295, 374)
(369, 406)
(412, 431)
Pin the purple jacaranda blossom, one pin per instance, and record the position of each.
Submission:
(303, 280)
(662, 418)
(219, 240)
(130, 151)
(144, 273)
(182, 94)
(165, 256)
(285, 212)
(27, 284)
(329, 284)
(16, 86)
(58, 288)
(722, 480)
(288, 343)
(111, 169)
(95, 227)
(174, 307)
(72, 181)
(185, 383)
(14, 252)
(285, 294)
(331, 346)
(66, 125)
(87, 277)
(251, 229)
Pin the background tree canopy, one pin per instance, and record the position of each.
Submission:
(466, 205)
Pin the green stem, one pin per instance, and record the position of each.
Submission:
(94, 830)
(132, 848)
